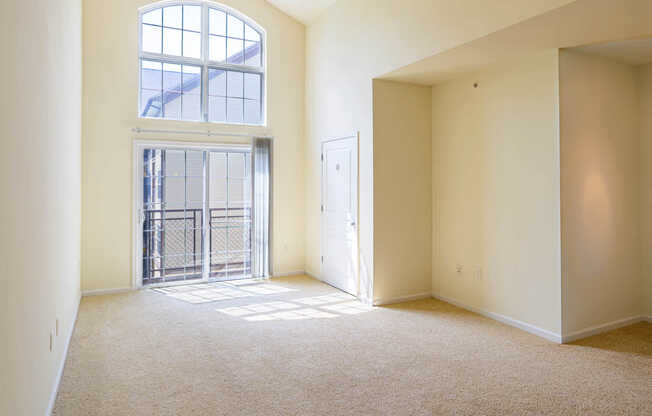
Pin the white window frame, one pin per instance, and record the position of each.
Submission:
(204, 62)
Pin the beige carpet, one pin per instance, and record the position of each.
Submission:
(297, 347)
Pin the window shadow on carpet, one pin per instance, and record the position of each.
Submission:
(217, 291)
(331, 305)
(326, 306)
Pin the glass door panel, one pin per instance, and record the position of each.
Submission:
(230, 215)
(173, 194)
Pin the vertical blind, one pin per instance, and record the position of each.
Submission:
(262, 153)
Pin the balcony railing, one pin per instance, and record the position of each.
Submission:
(172, 244)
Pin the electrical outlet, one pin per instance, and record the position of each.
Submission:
(459, 268)
(478, 273)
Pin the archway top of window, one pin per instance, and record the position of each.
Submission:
(201, 61)
(210, 4)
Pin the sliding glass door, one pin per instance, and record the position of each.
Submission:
(195, 216)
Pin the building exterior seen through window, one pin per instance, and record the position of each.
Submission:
(201, 62)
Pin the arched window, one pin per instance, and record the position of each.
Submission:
(200, 61)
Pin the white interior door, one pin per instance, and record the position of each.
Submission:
(340, 214)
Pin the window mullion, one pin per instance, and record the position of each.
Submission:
(204, 71)
(162, 89)
(236, 67)
(243, 90)
(162, 30)
(171, 59)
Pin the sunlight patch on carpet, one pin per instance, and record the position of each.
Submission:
(219, 291)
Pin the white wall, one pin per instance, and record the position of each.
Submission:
(402, 190)
(358, 40)
(599, 112)
(645, 91)
(496, 191)
(110, 112)
(40, 180)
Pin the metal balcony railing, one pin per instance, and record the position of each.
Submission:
(172, 244)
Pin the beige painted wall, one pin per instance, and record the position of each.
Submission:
(645, 91)
(40, 180)
(110, 112)
(402, 115)
(496, 191)
(599, 191)
(358, 40)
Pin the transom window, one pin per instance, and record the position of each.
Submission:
(201, 62)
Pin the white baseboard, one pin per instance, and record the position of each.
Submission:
(378, 302)
(57, 382)
(289, 274)
(543, 333)
(316, 276)
(401, 299)
(106, 291)
(598, 329)
(313, 275)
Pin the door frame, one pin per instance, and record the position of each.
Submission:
(356, 138)
(137, 199)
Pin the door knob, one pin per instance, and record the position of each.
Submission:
(352, 223)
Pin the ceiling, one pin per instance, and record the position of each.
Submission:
(305, 11)
(632, 52)
(583, 22)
